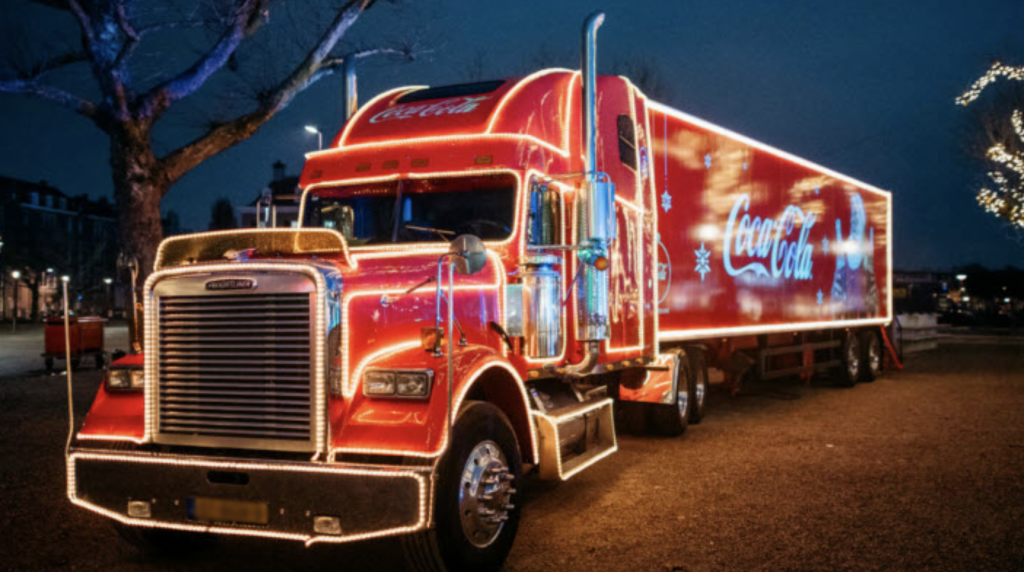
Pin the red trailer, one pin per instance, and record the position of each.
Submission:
(485, 273)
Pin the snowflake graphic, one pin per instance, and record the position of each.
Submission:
(744, 166)
(707, 160)
(821, 298)
(817, 190)
(666, 201)
(824, 245)
(703, 261)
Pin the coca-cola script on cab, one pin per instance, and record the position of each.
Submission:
(763, 239)
(451, 106)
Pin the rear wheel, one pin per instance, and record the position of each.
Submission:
(871, 365)
(671, 419)
(699, 387)
(851, 367)
(476, 513)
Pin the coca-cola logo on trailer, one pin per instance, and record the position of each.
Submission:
(450, 106)
(768, 246)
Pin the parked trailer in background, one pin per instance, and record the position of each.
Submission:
(483, 272)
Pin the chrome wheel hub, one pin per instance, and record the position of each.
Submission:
(699, 390)
(485, 494)
(683, 401)
(874, 357)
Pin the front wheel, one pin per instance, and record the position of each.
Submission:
(476, 508)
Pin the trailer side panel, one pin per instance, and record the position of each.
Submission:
(754, 240)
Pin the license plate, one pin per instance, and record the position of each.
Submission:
(224, 510)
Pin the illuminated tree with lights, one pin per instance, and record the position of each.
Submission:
(137, 56)
(1002, 147)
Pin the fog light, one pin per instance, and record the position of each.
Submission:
(327, 525)
(139, 509)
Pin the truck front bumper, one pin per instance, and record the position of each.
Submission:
(370, 501)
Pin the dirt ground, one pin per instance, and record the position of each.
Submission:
(921, 470)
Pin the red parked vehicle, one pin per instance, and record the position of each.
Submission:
(484, 272)
(84, 337)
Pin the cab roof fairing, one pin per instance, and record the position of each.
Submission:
(541, 108)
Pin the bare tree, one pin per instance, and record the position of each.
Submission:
(997, 140)
(133, 96)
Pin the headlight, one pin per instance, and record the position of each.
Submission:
(379, 383)
(412, 383)
(123, 379)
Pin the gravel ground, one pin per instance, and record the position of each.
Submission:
(919, 471)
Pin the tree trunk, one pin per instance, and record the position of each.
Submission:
(139, 184)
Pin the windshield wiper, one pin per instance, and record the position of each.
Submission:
(437, 231)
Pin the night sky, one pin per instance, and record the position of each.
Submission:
(863, 87)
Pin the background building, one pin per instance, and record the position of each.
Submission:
(277, 204)
(47, 234)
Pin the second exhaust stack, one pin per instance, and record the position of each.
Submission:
(596, 212)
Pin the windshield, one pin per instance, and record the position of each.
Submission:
(416, 210)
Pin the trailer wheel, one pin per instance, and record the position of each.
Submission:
(49, 364)
(871, 362)
(476, 513)
(699, 387)
(671, 419)
(851, 358)
(160, 541)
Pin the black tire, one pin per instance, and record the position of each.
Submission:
(161, 541)
(699, 386)
(75, 362)
(671, 419)
(849, 371)
(49, 364)
(448, 546)
(871, 356)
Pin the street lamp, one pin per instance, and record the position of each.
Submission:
(110, 303)
(14, 317)
(319, 136)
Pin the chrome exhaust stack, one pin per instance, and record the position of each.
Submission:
(351, 94)
(595, 223)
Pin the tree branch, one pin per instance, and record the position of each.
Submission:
(181, 24)
(331, 65)
(50, 93)
(184, 84)
(180, 161)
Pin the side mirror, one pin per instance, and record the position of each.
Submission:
(469, 254)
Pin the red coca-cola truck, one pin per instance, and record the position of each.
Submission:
(486, 275)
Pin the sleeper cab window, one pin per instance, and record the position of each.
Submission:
(627, 141)
(545, 218)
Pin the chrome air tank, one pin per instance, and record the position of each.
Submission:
(542, 306)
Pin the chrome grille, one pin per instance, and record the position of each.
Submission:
(235, 370)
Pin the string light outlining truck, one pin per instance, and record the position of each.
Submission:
(483, 274)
